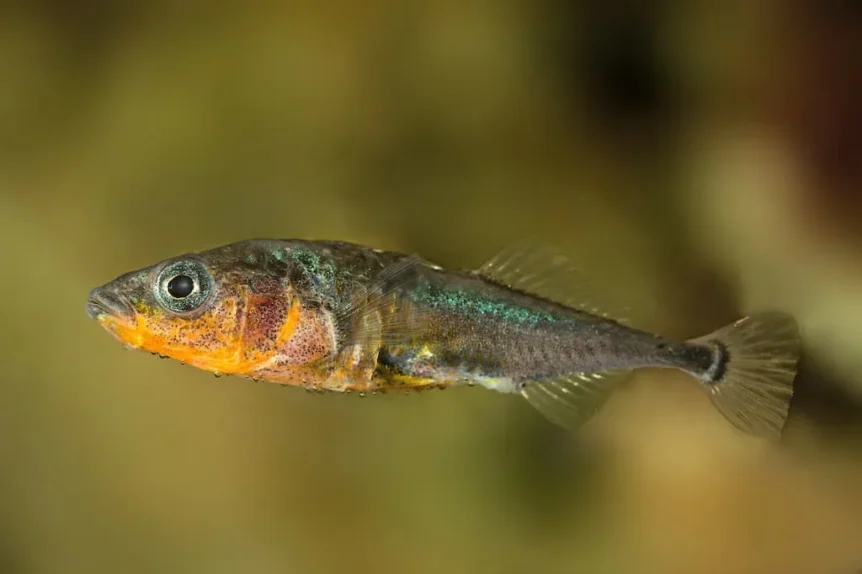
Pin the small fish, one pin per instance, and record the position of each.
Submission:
(336, 316)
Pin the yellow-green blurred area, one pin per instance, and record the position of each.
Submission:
(699, 160)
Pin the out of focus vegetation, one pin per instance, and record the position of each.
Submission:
(700, 160)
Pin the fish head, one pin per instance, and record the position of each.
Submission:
(228, 310)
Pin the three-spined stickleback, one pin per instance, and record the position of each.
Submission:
(336, 316)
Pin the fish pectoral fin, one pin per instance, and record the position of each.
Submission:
(542, 270)
(571, 401)
(376, 315)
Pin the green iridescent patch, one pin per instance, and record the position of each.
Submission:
(473, 303)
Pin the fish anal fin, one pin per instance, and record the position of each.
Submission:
(540, 269)
(571, 401)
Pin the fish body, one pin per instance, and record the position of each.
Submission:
(337, 316)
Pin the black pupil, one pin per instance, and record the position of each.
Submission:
(181, 286)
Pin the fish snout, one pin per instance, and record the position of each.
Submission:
(104, 300)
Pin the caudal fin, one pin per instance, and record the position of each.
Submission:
(751, 380)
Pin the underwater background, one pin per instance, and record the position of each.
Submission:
(698, 160)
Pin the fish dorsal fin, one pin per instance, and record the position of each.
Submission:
(375, 314)
(571, 401)
(542, 270)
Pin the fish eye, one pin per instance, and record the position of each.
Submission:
(183, 286)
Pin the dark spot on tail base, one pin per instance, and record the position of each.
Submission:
(709, 361)
(718, 365)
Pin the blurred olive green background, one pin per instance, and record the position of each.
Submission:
(700, 160)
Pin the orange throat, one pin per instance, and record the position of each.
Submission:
(218, 344)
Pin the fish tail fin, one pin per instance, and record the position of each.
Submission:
(751, 377)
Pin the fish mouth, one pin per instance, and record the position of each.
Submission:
(105, 303)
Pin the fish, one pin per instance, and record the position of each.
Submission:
(335, 316)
